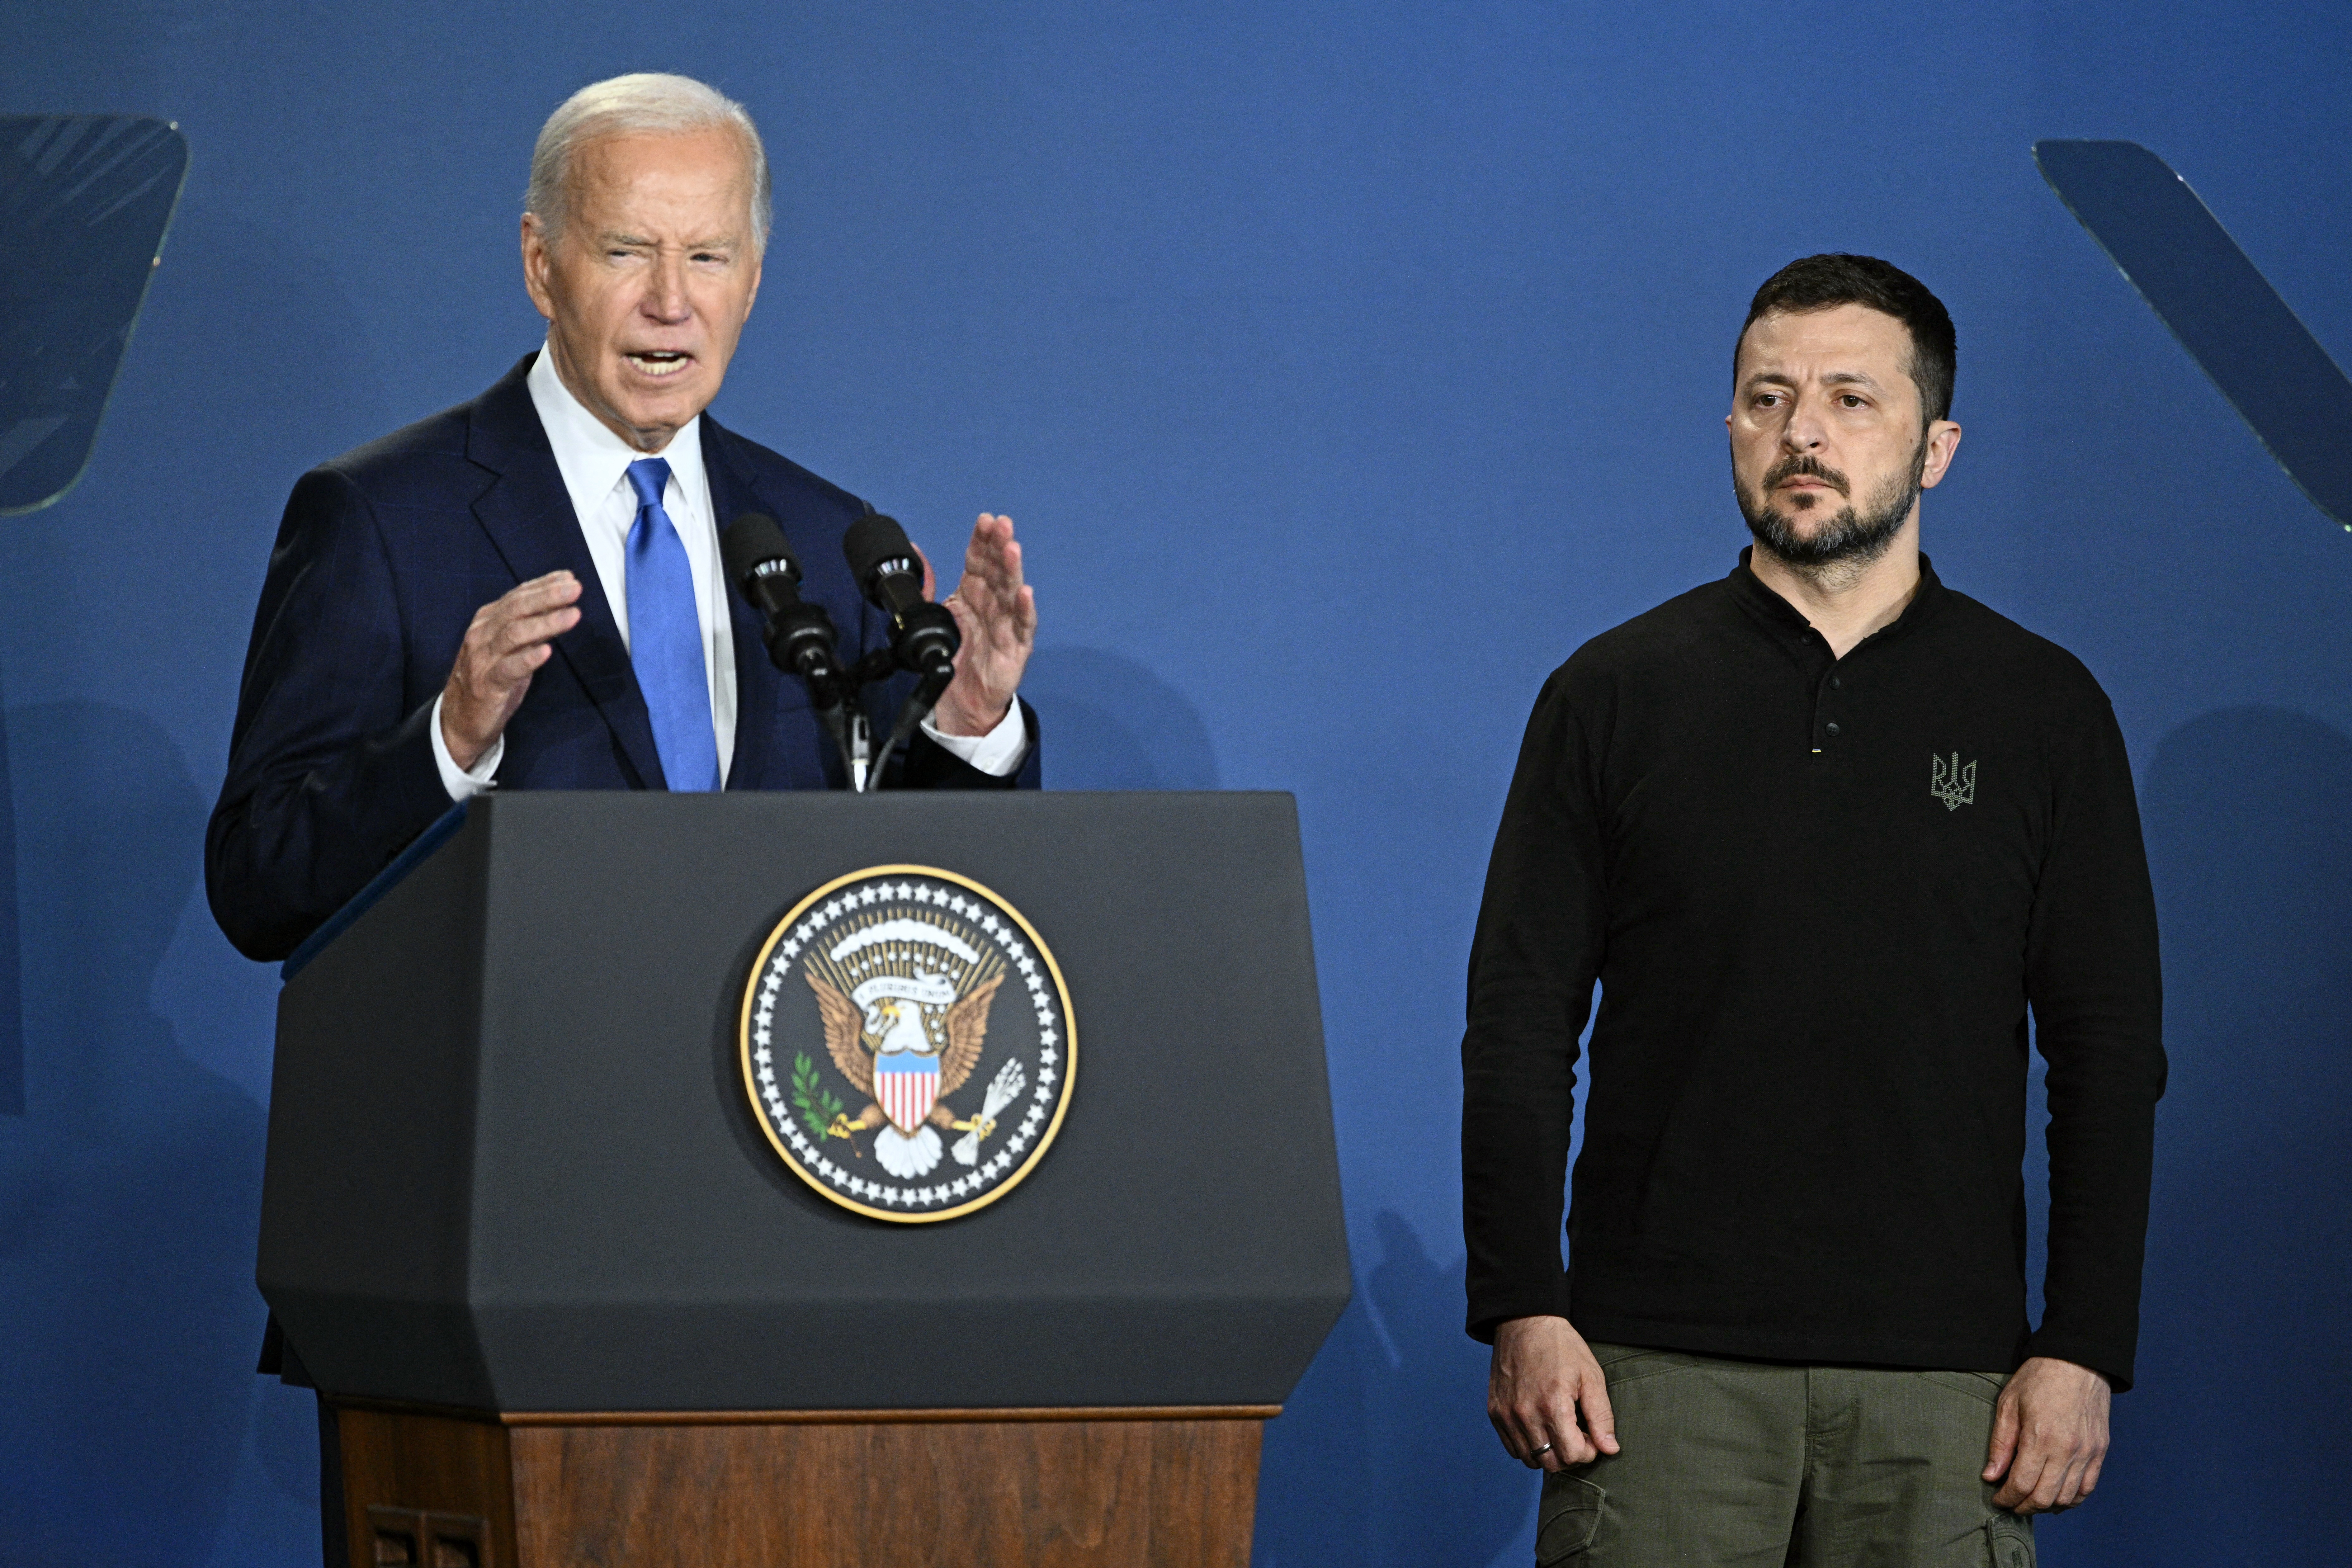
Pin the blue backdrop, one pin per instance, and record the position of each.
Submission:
(1345, 365)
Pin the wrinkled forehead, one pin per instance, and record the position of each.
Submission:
(1839, 341)
(707, 171)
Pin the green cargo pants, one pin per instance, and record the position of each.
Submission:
(1742, 1464)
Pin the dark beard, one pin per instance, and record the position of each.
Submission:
(1851, 537)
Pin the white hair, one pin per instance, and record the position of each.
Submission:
(641, 104)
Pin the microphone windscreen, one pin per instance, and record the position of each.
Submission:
(751, 539)
(872, 539)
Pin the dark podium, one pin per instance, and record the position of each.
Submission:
(526, 1227)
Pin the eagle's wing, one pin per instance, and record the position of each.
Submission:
(842, 1026)
(967, 1023)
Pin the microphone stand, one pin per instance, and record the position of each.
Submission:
(801, 640)
(848, 735)
(913, 712)
(856, 750)
(852, 732)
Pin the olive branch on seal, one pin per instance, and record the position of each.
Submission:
(818, 1106)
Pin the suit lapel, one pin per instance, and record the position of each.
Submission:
(528, 514)
(733, 493)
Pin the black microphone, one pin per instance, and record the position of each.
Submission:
(799, 635)
(922, 634)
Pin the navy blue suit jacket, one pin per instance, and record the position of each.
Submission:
(383, 558)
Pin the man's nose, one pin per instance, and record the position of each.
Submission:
(664, 299)
(1805, 430)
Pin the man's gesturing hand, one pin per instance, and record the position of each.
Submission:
(507, 642)
(997, 614)
(2050, 1434)
(1543, 1374)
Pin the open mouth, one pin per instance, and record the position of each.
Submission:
(658, 363)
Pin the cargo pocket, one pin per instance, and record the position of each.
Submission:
(1622, 1364)
(1984, 1386)
(2008, 1540)
(1567, 1518)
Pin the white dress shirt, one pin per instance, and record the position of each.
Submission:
(594, 463)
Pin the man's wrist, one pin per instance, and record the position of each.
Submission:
(463, 780)
(2076, 1366)
(1533, 1322)
(952, 718)
(998, 751)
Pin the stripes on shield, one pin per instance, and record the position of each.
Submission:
(905, 1085)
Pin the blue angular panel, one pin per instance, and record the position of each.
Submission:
(84, 202)
(2220, 306)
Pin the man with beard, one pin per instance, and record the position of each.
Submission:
(1823, 833)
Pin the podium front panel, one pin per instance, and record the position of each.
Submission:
(586, 1213)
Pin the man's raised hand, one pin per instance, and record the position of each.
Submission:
(2049, 1435)
(996, 612)
(1546, 1395)
(508, 641)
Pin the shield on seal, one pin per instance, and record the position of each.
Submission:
(906, 1084)
(905, 1058)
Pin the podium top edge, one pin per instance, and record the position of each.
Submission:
(870, 1417)
(526, 801)
(514, 799)
(444, 828)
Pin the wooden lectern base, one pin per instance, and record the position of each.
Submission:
(909, 1488)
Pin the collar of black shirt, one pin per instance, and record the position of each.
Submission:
(1781, 618)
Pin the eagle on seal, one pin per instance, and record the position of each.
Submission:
(894, 1028)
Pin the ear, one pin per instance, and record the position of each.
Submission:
(537, 266)
(1943, 441)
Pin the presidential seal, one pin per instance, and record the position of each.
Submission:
(888, 1060)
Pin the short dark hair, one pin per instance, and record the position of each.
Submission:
(1824, 283)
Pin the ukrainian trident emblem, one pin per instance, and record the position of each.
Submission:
(1953, 785)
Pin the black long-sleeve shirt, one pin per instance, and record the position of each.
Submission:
(1820, 896)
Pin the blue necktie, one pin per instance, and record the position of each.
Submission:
(665, 636)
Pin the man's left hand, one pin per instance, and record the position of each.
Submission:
(2049, 1435)
(997, 614)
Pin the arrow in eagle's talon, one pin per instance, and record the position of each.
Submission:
(980, 1125)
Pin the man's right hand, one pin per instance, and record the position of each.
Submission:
(509, 640)
(1546, 1389)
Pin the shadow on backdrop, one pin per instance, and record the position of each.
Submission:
(129, 1190)
(1110, 724)
(1398, 1391)
(2249, 823)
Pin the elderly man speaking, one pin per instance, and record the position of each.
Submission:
(526, 592)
